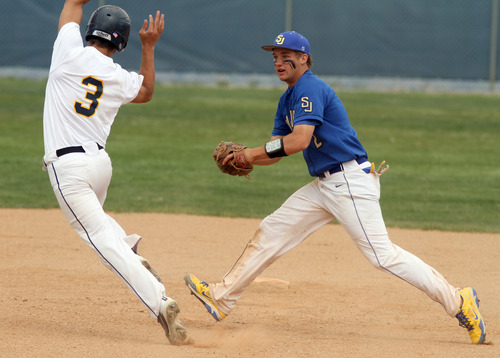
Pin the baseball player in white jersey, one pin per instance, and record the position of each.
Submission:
(85, 90)
(310, 118)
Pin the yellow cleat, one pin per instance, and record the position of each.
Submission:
(200, 291)
(469, 317)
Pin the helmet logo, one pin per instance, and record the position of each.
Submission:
(102, 35)
(280, 39)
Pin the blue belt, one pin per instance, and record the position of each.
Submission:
(338, 168)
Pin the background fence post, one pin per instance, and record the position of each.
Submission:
(493, 44)
(288, 15)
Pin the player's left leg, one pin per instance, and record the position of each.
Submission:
(298, 217)
(133, 242)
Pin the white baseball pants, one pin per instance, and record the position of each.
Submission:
(351, 197)
(80, 182)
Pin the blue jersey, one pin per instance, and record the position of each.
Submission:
(312, 101)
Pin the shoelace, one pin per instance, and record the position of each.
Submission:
(463, 321)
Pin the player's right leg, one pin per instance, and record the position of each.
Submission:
(359, 212)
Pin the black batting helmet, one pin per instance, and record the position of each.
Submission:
(111, 23)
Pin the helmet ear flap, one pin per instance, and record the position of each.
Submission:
(110, 23)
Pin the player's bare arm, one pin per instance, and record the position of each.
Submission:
(293, 143)
(264, 161)
(150, 34)
(71, 12)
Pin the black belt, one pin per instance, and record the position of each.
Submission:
(338, 168)
(78, 149)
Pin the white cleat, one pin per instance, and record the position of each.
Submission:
(174, 329)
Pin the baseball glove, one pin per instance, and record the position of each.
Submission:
(237, 166)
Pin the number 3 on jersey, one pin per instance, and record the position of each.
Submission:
(93, 94)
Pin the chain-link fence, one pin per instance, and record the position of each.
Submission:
(425, 39)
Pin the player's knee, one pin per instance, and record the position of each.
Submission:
(382, 258)
(260, 241)
(374, 260)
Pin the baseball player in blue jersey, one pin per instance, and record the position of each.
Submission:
(85, 90)
(311, 119)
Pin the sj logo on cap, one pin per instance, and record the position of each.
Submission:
(280, 39)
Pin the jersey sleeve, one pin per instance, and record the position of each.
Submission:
(131, 85)
(68, 39)
(309, 104)
(281, 128)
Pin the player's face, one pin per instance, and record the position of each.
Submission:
(288, 65)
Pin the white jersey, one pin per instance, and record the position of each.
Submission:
(85, 90)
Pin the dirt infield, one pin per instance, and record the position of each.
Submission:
(322, 299)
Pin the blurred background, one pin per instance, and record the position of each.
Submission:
(424, 45)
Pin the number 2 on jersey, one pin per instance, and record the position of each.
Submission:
(93, 94)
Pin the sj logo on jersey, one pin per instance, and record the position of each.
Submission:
(308, 105)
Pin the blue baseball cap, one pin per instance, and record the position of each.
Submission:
(291, 40)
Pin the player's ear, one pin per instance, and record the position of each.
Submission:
(303, 58)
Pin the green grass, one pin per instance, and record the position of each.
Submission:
(441, 148)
